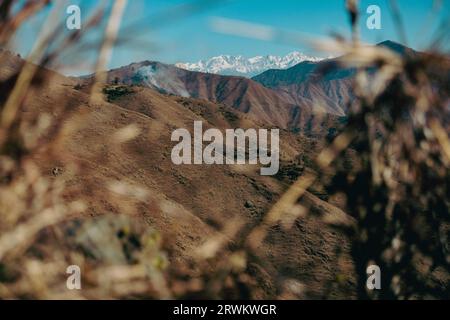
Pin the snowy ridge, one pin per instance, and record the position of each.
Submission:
(248, 67)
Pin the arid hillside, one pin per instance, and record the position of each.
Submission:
(260, 103)
(188, 204)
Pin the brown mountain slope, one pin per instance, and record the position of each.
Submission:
(324, 85)
(240, 93)
(187, 204)
(262, 104)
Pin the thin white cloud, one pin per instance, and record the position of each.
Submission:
(242, 28)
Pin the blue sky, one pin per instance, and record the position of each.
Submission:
(186, 33)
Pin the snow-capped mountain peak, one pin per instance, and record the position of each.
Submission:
(248, 67)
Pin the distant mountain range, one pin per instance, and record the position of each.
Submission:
(247, 67)
(309, 96)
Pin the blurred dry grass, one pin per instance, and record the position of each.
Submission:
(397, 190)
